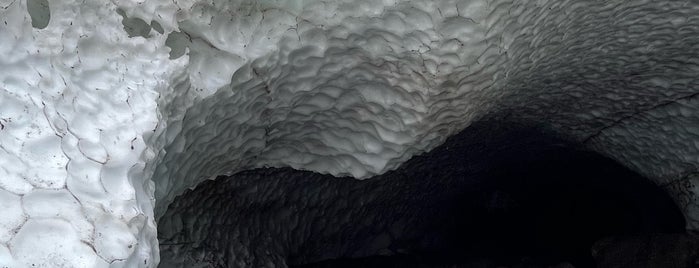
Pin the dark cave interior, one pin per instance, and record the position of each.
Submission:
(494, 195)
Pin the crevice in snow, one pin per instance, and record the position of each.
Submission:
(637, 113)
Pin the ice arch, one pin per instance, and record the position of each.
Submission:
(100, 120)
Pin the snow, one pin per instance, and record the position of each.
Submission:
(77, 96)
(98, 123)
(13, 215)
(52, 243)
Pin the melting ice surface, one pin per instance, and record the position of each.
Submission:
(106, 107)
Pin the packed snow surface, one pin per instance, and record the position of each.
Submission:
(108, 106)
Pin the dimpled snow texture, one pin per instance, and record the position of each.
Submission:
(98, 125)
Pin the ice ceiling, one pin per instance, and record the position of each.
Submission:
(109, 106)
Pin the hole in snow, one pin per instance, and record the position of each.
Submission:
(177, 42)
(486, 197)
(134, 26)
(39, 12)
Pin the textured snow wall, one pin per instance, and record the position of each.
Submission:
(108, 106)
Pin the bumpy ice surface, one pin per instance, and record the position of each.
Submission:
(110, 106)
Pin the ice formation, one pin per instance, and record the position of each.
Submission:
(108, 106)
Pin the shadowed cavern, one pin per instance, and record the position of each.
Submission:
(495, 194)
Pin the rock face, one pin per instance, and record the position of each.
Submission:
(648, 251)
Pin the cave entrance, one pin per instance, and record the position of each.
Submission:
(538, 202)
(487, 197)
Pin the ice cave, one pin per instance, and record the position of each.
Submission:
(349, 133)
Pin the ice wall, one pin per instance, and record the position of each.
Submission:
(76, 99)
(99, 119)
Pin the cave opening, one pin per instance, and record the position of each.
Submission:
(493, 195)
